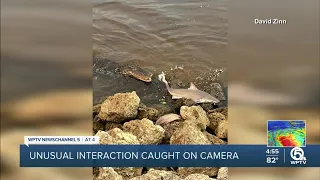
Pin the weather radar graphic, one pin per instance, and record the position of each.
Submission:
(286, 133)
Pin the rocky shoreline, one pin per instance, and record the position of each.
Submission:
(124, 119)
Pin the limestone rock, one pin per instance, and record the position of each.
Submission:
(222, 129)
(97, 125)
(154, 174)
(186, 171)
(170, 128)
(112, 125)
(184, 102)
(147, 112)
(214, 139)
(145, 131)
(128, 172)
(196, 115)
(223, 173)
(198, 177)
(117, 136)
(96, 109)
(107, 173)
(120, 107)
(188, 134)
(214, 119)
(222, 110)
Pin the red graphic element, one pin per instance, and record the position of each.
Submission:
(286, 141)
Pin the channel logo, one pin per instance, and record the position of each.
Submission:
(297, 154)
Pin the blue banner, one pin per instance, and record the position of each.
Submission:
(168, 156)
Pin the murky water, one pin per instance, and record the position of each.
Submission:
(161, 34)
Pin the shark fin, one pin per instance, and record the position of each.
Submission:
(192, 87)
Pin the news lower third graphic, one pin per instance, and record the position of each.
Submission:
(85, 151)
(286, 133)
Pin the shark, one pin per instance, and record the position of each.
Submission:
(192, 92)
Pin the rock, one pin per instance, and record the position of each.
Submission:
(196, 115)
(222, 129)
(188, 134)
(206, 106)
(223, 173)
(214, 139)
(147, 112)
(120, 107)
(95, 171)
(154, 174)
(170, 128)
(183, 102)
(198, 177)
(107, 173)
(128, 172)
(222, 110)
(214, 119)
(116, 136)
(163, 109)
(159, 168)
(217, 91)
(186, 171)
(165, 119)
(98, 125)
(112, 125)
(145, 131)
(96, 109)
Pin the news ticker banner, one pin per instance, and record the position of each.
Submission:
(84, 151)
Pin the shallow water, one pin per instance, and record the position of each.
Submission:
(160, 35)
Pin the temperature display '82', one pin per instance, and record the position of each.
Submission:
(272, 160)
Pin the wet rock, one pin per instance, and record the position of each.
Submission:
(196, 115)
(128, 172)
(147, 112)
(207, 106)
(98, 125)
(145, 131)
(132, 69)
(117, 136)
(222, 129)
(163, 109)
(107, 173)
(165, 119)
(222, 110)
(120, 107)
(183, 102)
(170, 128)
(214, 119)
(223, 173)
(214, 139)
(112, 125)
(188, 133)
(198, 177)
(217, 91)
(96, 109)
(210, 171)
(154, 174)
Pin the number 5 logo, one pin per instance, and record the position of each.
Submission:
(297, 154)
